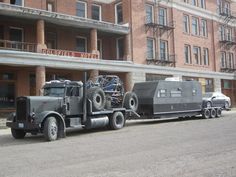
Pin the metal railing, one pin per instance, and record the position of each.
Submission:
(16, 45)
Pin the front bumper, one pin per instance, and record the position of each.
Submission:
(26, 126)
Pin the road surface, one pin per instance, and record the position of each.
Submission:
(169, 148)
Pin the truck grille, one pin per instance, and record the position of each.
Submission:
(21, 108)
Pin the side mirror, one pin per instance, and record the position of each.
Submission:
(213, 97)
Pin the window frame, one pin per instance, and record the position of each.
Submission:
(166, 48)
(195, 26)
(203, 4)
(117, 49)
(100, 12)
(186, 24)
(187, 46)
(152, 11)
(116, 15)
(164, 16)
(204, 28)
(206, 61)
(198, 61)
(153, 49)
(86, 43)
(85, 9)
(223, 62)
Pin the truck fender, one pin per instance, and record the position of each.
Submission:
(11, 117)
(61, 126)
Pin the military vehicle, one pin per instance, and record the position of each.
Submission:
(68, 104)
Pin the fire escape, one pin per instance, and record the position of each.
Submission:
(159, 28)
(227, 38)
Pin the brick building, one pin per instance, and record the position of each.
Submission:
(136, 39)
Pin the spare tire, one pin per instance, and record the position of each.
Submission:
(130, 101)
(97, 97)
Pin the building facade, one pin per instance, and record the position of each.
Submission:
(136, 39)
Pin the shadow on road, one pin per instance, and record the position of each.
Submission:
(8, 140)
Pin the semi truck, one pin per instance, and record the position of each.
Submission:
(68, 104)
(71, 104)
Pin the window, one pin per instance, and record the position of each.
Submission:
(186, 23)
(149, 14)
(197, 55)
(229, 34)
(81, 9)
(119, 13)
(162, 16)
(100, 47)
(150, 49)
(195, 26)
(120, 48)
(222, 33)
(187, 54)
(209, 85)
(163, 50)
(17, 2)
(204, 28)
(194, 2)
(50, 6)
(51, 40)
(203, 4)
(96, 12)
(227, 8)
(1, 35)
(223, 60)
(205, 56)
(7, 95)
(176, 93)
(162, 93)
(16, 36)
(81, 44)
(231, 60)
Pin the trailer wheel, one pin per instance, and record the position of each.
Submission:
(50, 129)
(206, 114)
(117, 121)
(97, 96)
(218, 112)
(18, 134)
(213, 113)
(131, 101)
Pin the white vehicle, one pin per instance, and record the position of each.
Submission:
(216, 99)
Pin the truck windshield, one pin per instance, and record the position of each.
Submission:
(54, 91)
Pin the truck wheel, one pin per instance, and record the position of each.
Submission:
(18, 134)
(206, 114)
(97, 96)
(213, 113)
(117, 121)
(50, 129)
(218, 112)
(131, 101)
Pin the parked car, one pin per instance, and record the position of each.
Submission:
(216, 99)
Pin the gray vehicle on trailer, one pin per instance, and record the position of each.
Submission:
(66, 104)
(172, 99)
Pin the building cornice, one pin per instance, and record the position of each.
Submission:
(61, 19)
(15, 58)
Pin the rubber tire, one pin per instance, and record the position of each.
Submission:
(50, 129)
(218, 112)
(18, 134)
(117, 120)
(208, 104)
(131, 101)
(213, 113)
(226, 106)
(206, 114)
(97, 97)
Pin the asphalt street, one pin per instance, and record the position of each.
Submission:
(165, 148)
